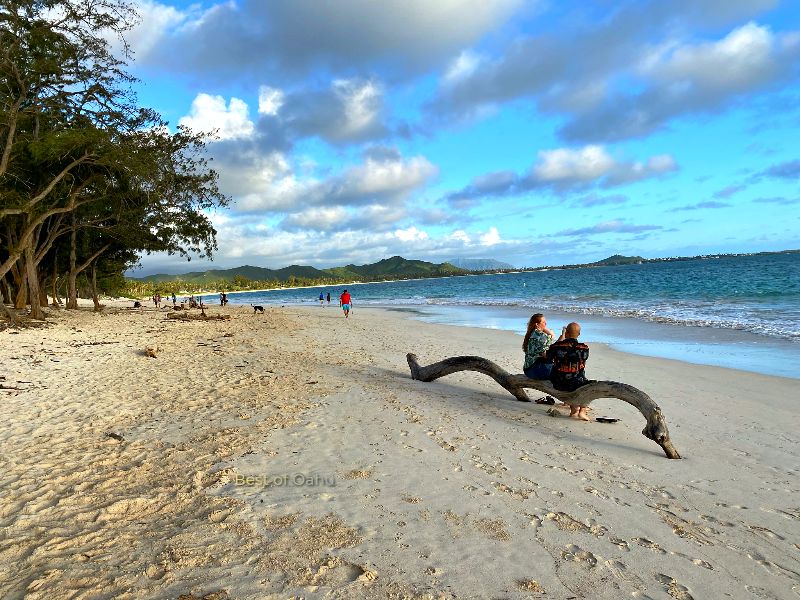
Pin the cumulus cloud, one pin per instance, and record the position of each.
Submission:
(583, 68)
(350, 110)
(287, 38)
(410, 234)
(573, 165)
(209, 113)
(375, 180)
(270, 100)
(490, 238)
(685, 79)
(564, 169)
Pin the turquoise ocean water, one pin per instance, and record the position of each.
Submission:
(741, 311)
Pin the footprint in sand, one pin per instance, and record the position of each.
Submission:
(622, 544)
(617, 568)
(772, 567)
(766, 595)
(577, 554)
(673, 588)
(763, 531)
(645, 543)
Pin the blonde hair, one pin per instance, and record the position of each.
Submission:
(532, 323)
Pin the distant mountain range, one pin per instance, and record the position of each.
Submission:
(479, 264)
(392, 268)
(395, 267)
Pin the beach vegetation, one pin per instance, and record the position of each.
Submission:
(89, 180)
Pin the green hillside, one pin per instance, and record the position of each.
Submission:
(389, 268)
(618, 259)
(395, 266)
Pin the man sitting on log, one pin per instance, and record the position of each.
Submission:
(569, 358)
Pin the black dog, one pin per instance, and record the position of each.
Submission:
(137, 304)
(257, 309)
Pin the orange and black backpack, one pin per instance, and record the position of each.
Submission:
(569, 360)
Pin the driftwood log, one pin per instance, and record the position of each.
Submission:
(656, 428)
(181, 316)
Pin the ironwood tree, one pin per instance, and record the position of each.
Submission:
(86, 175)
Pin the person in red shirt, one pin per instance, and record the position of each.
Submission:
(345, 302)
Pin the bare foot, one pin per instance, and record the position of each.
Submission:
(583, 415)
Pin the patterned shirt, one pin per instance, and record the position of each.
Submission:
(569, 361)
(538, 344)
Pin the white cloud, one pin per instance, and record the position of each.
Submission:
(210, 113)
(567, 167)
(386, 177)
(460, 235)
(563, 169)
(737, 61)
(270, 100)
(583, 164)
(285, 38)
(462, 67)
(387, 180)
(490, 238)
(320, 218)
(362, 101)
(410, 234)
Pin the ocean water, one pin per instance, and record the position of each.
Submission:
(749, 305)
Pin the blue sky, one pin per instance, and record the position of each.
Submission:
(537, 133)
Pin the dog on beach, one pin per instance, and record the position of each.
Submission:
(137, 304)
(257, 309)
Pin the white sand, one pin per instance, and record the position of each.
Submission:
(443, 489)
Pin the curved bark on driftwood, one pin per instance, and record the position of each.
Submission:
(656, 428)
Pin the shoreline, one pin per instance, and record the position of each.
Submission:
(696, 345)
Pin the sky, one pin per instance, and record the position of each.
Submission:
(535, 132)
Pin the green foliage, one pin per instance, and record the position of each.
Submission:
(84, 171)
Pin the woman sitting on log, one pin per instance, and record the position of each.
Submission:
(535, 344)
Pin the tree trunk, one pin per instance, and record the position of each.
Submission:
(56, 299)
(72, 277)
(97, 306)
(33, 284)
(5, 291)
(20, 281)
(656, 428)
(9, 314)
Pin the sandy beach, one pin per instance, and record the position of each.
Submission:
(290, 454)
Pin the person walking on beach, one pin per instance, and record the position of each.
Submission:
(345, 302)
(569, 358)
(321, 299)
(329, 298)
(537, 340)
